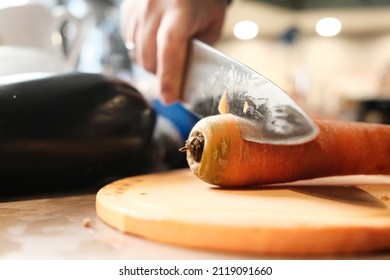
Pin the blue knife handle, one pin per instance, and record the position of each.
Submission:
(183, 119)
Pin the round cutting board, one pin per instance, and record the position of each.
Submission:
(324, 216)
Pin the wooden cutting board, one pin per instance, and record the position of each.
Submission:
(324, 216)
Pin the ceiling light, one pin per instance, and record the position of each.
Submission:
(245, 30)
(328, 27)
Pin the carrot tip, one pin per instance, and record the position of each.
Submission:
(194, 145)
(185, 148)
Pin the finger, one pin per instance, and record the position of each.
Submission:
(211, 33)
(124, 7)
(148, 42)
(172, 44)
(147, 50)
(128, 20)
(129, 27)
(209, 29)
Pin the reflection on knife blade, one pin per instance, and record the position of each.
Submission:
(266, 114)
(260, 121)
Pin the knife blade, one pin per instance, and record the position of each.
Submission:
(265, 113)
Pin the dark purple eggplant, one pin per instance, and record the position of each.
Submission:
(71, 129)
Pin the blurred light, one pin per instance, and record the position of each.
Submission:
(13, 3)
(78, 8)
(70, 30)
(328, 27)
(245, 30)
(56, 39)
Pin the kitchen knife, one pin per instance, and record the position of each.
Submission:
(265, 113)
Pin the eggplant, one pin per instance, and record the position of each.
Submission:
(71, 129)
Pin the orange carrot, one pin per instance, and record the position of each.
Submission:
(217, 154)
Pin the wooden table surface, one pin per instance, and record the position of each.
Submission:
(64, 225)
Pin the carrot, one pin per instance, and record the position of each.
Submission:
(217, 154)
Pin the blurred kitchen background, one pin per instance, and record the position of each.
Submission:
(340, 69)
(332, 57)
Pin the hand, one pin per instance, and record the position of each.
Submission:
(161, 31)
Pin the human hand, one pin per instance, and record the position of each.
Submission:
(161, 31)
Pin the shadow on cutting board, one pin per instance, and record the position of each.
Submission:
(340, 193)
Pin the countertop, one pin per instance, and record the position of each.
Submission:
(64, 225)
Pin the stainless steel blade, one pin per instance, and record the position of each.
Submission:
(265, 113)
